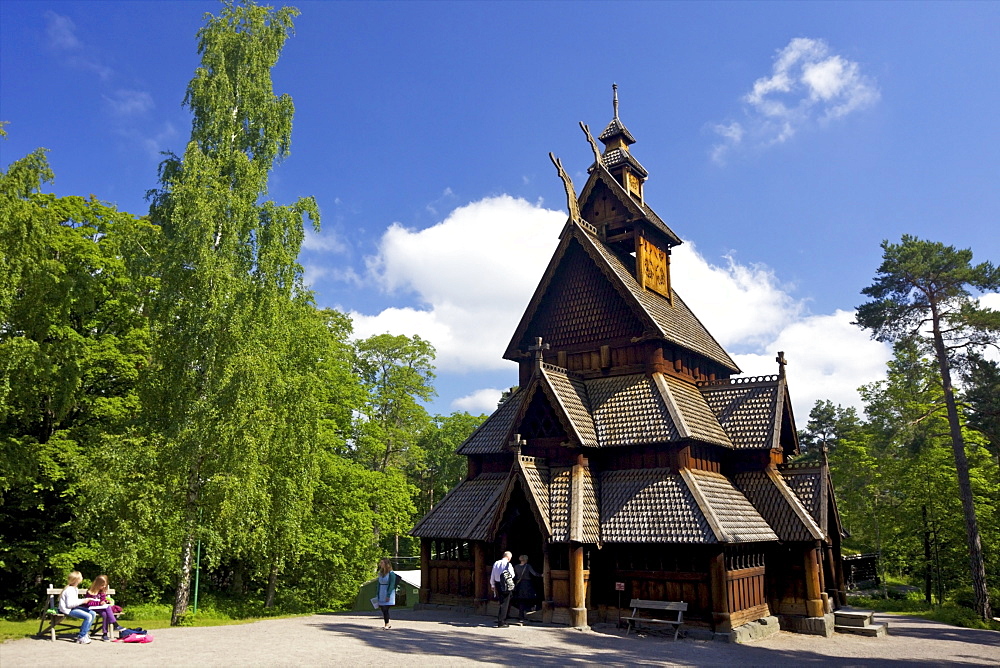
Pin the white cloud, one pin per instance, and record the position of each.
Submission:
(60, 31)
(828, 358)
(129, 102)
(472, 275)
(741, 305)
(808, 84)
(323, 241)
(479, 402)
(156, 143)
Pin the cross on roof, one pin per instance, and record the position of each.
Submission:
(517, 443)
(782, 363)
(539, 349)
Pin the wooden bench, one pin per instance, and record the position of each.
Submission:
(58, 622)
(643, 610)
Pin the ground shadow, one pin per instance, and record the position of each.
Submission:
(503, 646)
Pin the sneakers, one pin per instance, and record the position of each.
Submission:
(105, 638)
(83, 640)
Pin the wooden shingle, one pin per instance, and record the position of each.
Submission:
(698, 418)
(778, 505)
(629, 410)
(747, 408)
(467, 511)
(650, 506)
(492, 435)
(730, 514)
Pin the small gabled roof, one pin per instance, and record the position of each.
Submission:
(695, 415)
(749, 409)
(492, 435)
(536, 478)
(777, 504)
(570, 395)
(671, 321)
(811, 483)
(468, 511)
(574, 513)
(615, 128)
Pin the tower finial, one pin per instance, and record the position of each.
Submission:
(614, 87)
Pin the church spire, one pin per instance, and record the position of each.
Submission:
(617, 158)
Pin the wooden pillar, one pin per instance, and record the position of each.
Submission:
(837, 566)
(425, 570)
(546, 583)
(480, 576)
(814, 600)
(577, 587)
(721, 621)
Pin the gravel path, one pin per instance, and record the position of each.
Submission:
(437, 638)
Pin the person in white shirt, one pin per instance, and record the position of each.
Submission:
(72, 605)
(502, 585)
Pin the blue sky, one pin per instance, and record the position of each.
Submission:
(784, 142)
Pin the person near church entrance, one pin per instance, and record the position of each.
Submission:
(502, 586)
(524, 589)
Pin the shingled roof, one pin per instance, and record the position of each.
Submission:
(811, 484)
(467, 511)
(749, 409)
(491, 436)
(671, 320)
(650, 506)
(777, 504)
(729, 513)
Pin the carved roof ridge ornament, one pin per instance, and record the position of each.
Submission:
(593, 145)
(571, 202)
(614, 89)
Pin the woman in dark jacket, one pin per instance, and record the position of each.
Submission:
(524, 589)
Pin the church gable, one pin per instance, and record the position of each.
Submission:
(540, 420)
(579, 307)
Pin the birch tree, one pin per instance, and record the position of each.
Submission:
(228, 272)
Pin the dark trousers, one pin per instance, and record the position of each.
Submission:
(385, 613)
(504, 606)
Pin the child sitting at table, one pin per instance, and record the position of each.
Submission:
(104, 605)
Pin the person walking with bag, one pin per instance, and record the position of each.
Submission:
(387, 580)
(502, 586)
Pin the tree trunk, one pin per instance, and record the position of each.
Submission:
(183, 594)
(977, 564)
(927, 558)
(272, 585)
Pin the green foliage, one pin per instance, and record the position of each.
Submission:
(72, 344)
(235, 346)
(443, 469)
(922, 298)
(397, 372)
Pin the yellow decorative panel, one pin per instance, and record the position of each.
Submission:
(653, 269)
(634, 184)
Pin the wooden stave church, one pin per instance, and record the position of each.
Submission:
(629, 453)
